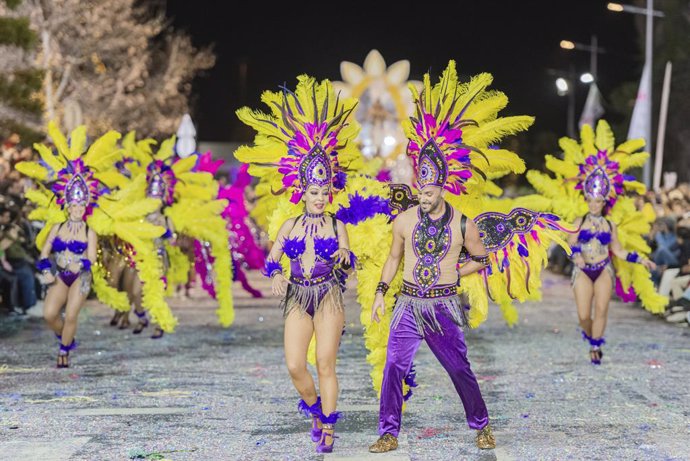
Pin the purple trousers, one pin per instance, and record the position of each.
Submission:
(448, 345)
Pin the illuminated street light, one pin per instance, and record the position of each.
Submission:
(562, 86)
(567, 45)
(586, 78)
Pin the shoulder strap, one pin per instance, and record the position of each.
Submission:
(610, 224)
(335, 226)
(294, 223)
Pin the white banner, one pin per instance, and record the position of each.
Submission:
(640, 123)
(593, 109)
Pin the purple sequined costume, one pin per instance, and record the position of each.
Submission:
(593, 243)
(324, 286)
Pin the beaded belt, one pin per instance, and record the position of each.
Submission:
(310, 282)
(438, 291)
(599, 265)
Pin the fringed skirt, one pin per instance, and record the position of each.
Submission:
(310, 296)
(424, 308)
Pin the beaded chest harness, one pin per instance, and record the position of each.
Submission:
(430, 241)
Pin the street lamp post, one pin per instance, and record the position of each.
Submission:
(650, 13)
(565, 84)
(593, 49)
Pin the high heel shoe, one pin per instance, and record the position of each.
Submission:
(157, 333)
(595, 353)
(328, 432)
(315, 412)
(116, 318)
(143, 322)
(63, 354)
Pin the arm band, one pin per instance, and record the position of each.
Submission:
(632, 257)
(382, 288)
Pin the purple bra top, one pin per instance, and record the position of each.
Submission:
(586, 235)
(323, 247)
(74, 246)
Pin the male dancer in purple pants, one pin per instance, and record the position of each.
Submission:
(429, 238)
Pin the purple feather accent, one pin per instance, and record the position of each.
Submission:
(361, 209)
(604, 238)
(325, 247)
(522, 250)
(44, 264)
(340, 180)
(310, 410)
(632, 257)
(332, 418)
(585, 235)
(294, 247)
(585, 336)
(71, 347)
(596, 342)
(75, 246)
(270, 267)
(86, 264)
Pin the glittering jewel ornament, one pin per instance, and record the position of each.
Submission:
(75, 185)
(312, 222)
(601, 177)
(315, 169)
(432, 169)
(161, 181)
(430, 241)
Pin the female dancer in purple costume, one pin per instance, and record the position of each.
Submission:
(593, 276)
(74, 247)
(316, 244)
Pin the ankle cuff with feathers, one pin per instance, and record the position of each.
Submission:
(596, 342)
(310, 410)
(332, 418)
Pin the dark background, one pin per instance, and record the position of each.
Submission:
(516, 41)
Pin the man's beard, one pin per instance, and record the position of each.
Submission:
(434, 206)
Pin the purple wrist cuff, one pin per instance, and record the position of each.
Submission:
(272, 268)
(632, 257)
(44, 264)
(86, 264)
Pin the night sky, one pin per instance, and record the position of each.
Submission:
(516, 41)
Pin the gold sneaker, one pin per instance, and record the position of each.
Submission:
(385, 443)
(485, 438)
